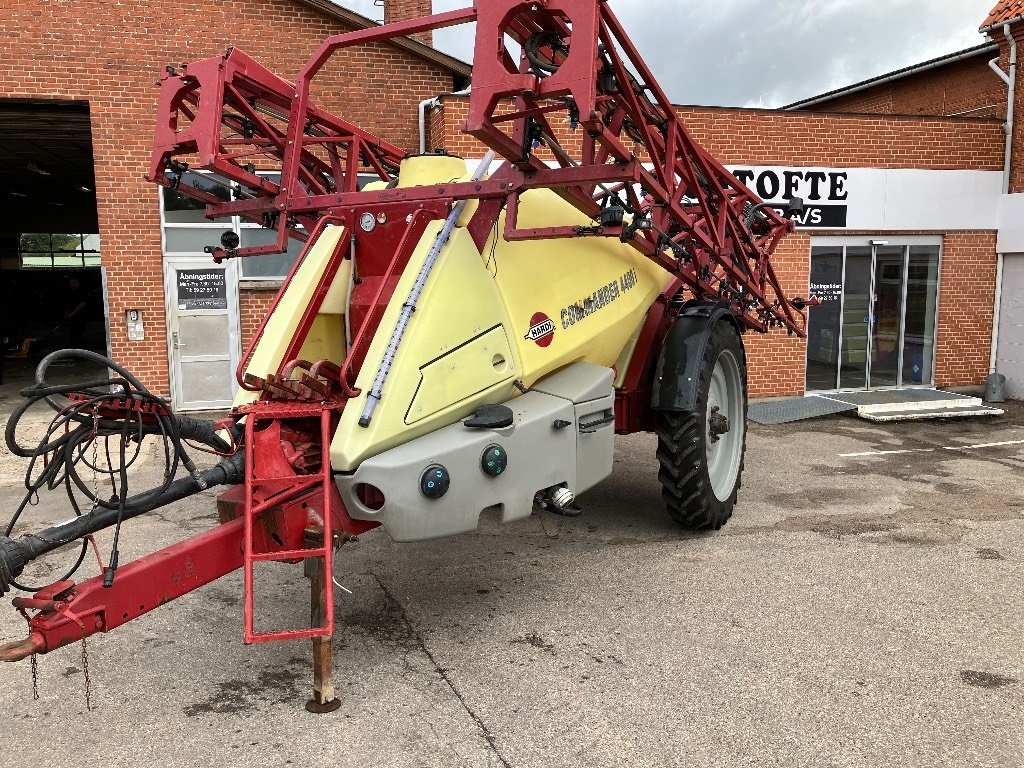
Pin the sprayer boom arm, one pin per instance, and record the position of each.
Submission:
(627, 159)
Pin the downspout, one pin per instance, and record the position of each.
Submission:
(424, 106)
(996, 309)
(1011, 83)
(431, 104)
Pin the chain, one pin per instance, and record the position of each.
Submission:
(85, 672)
(95, 505)
(543, 526)
(95, 460)
(34, 663)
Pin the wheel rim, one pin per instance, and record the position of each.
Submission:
(725, 421)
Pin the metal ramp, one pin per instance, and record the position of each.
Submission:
(879, 406)
(790, 409)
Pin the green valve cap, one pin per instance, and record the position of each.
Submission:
(435, 481)
(494, 461)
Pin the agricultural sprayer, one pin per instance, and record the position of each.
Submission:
(455, 336)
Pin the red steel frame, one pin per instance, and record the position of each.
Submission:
(233, 117)
(277, 491)
(229, 111)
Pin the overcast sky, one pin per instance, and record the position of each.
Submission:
(758, 53)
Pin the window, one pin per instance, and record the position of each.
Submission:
(38, 250)
(273, 266)
(182, 209)
(187, 231)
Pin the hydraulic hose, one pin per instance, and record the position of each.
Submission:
(114, 415)
(15, 554)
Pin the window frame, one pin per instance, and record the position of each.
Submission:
(81, 253)
(907, 243)
(236, 224)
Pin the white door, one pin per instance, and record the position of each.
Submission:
(202, 331)
(1010, 361)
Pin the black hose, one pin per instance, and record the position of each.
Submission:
(541, 65)
(77, 426)
(15, 554)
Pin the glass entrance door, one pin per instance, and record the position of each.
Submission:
(921, 301)
(856, 317)
(825, 320)
(875, 327)
(887, 317)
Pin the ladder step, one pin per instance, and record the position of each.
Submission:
(286, 634)
(289, 554)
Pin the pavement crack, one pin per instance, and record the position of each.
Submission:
(443, 673)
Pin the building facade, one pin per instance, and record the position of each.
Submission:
(909, 236)
(906, 203)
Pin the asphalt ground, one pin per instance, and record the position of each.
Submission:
(857, 611)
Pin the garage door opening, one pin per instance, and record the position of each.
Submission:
(1010, 360)
(51, 282)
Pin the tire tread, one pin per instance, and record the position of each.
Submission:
(686, 485)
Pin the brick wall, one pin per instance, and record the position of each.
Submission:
(767, 137)
(253, 307)
(741, 136)
(401, 10)
(966, 86)
(966, 301)
(776, 360)
(862, 141)
(110, 55)
(437, 137)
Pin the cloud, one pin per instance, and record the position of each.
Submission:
(755, 53)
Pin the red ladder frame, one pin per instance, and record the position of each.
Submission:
(275, 491)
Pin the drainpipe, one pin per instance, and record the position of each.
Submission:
(424, 106)
(1011, 83)
(997, 308)
(431, 104)
(1011, 102)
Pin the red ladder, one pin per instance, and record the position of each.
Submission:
(275, 491)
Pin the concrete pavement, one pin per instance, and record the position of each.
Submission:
(857, 611)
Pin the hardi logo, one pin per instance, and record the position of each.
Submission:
(542, 330)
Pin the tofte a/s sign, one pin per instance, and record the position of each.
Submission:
(825, 192)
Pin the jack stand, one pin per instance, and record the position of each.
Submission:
(320, 591)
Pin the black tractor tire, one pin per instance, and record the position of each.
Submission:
(684, 439)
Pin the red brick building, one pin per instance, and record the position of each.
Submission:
(956, 85)
(862, 155)
(903, 175)
(77, 109)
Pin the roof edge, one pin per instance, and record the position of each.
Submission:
(898, 74)
(791, 114)
(408, 44)
(1000, 24)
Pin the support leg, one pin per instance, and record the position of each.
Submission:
(320, 591)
